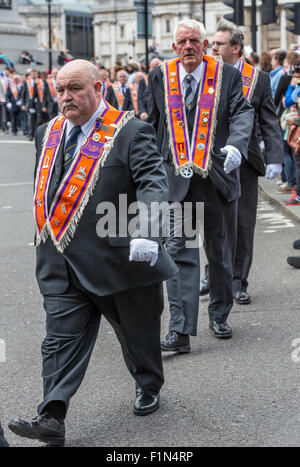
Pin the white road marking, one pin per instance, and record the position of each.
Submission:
(11, 141)
(4, 185)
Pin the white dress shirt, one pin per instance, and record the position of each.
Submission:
(86, 128)
(197, 75)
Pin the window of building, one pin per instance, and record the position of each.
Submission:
(5, 4)
(80, 40)
(122, 31)
(168, 26)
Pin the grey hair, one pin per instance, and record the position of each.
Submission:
(236, 35)
(190, 24)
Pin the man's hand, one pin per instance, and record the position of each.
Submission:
(273, 170)
(233, 159)
(142, 249)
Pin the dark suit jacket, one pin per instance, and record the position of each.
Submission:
(49, 103)
(135, 168)
(31, 102)
(143, 97)
(235, 120)
(11, 98)
(111, 98)
(127, 105)
(266, 119)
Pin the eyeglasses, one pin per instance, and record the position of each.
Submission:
(218, 44)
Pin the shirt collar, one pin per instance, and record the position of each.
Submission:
(197, 73)
(86, 127)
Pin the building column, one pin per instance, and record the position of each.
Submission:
(158, 40)
(97, 45)
(283, 32)
(113, 35)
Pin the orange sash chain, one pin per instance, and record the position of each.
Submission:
(52, 88)
(134, 96)
(78, 183)
(197, 152)
(119, 94)
(249, 79)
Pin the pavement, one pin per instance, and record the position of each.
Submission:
(268, 189)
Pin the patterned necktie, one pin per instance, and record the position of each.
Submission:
(189, 94)
(124, 90)
(70, 147)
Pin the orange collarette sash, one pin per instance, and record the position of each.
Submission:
(196, 153)
(134, 96)
(14, 89)
(249, 79)
(39, 85)
(78, 183)
(119, 93)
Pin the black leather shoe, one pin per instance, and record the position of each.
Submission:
(175, 342)
(145, 404)
(294, 261)
(204, 288)
(220, 330)
(44, 428)
(242, 298)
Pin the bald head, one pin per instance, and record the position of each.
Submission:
(78, 88)
(82, 66)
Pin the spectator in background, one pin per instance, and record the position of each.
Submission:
(278, 56)
(132, 68)
(9, 64)
(63, 58)
(3, 123)
(289, 167)
(265, 62)
(292, 101)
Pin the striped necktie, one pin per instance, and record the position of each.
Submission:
(189, 94)
(70, 147)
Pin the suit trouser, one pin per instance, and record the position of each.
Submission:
(247, 207)
(72, 324)
(220, 239)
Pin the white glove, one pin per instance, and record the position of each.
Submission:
(32, 111)
(233, 159)
(9, 105)
(273, 170)
(142, 249)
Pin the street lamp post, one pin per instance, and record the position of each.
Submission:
(50, 38)
(146, 36)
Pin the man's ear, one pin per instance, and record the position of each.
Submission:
(98, 87)
(174, 46)
(205, 44)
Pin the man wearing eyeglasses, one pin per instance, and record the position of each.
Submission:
(228, 43)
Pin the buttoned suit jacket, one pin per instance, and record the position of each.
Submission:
(266, 121)
(135, 168)
(234, 124)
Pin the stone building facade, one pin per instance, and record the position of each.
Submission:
(115, 26)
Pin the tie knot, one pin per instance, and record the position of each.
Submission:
(189, 78)
(76, 130)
